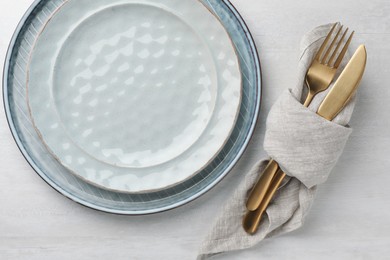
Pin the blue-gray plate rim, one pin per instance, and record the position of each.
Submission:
(136, 204)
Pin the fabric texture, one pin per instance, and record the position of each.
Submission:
(305, 145)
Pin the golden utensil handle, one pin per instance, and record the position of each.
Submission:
(252, 219)
(260, 189)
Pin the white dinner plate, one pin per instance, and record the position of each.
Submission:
(134, 96)
(93, 196)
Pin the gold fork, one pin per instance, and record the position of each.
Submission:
(322, 70)
(318, 78)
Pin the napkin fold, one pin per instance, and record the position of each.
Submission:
(305, 145)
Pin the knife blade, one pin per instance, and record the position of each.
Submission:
(345, 86)
(334, 102)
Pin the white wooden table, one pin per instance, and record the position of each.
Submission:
(349, 220)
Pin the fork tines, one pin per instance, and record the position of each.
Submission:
(323, 56)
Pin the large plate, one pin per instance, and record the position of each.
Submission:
(134, 95)
(86, 194)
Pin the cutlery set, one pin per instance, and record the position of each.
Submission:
(319, 77)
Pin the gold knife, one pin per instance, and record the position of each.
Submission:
(334, 102)
(345, 86)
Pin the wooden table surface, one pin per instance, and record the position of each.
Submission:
(351, 215)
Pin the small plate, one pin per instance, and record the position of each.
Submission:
(134, 96)
(71, 186)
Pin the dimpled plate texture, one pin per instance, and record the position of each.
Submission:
(50, 170)
(134, 96)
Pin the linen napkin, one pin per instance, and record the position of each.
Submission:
(305, 145)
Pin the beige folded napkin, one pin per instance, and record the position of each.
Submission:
(305, 145)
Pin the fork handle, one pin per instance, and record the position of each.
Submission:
(251, 220)
(309, 98)
(260, 189)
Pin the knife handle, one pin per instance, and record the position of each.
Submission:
(260, 189)
(252, 219)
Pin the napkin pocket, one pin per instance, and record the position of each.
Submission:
(305, 145)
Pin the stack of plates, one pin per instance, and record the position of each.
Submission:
(132, 107)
